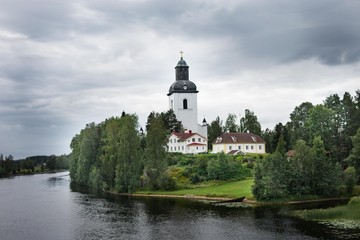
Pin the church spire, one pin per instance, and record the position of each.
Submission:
(182, 69)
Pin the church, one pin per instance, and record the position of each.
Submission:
(183, 101)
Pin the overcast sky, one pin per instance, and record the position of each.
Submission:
(67, 63)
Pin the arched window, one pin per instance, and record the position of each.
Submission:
(185, 104)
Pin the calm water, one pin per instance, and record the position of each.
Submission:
(47, 207)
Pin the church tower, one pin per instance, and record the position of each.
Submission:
(183, 100)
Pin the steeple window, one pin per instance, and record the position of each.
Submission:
(185, 104)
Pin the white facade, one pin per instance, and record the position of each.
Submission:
(235, 143)
(185, 109)
(192, 143)
(243, 147)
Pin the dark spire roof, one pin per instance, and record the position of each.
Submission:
(182, 83)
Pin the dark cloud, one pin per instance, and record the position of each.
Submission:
(66, 63)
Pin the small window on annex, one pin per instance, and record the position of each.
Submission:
(185, 104)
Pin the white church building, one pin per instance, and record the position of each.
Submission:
(183, 101)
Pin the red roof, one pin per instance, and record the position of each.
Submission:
(196, 144)
(238, 138)
(184, 136)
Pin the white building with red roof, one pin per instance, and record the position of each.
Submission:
(237, 143)
(187, 143)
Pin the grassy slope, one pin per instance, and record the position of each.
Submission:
(230, 189)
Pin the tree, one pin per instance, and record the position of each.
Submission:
(223, 168)
(88, 152)
(354, 157)
(169, 119)
(327, 179)
(51, 163)
(128, 159)
(250, 123)
(296, 125)
(230, 123)
(271, 177)
(155, 152)
(320, 122)
(171, 124)
(214, 130)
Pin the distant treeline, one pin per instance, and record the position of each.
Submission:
(9, 166)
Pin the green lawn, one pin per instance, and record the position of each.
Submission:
(230, 189)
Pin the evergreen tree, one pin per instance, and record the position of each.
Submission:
(214, 130)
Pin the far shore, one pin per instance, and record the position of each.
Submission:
(245, 201)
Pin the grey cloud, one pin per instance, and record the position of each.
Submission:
(66, 55)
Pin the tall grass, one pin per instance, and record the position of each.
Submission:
(351, 211)
(230, 189)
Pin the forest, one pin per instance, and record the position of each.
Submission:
(33, 164)
(117, 155)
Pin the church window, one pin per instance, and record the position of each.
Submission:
(199, 139)
(239, 147)
(185, 104)
(230, 147)
(193, 139)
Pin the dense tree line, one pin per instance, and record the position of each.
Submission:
(308, 172)
(9, 166)
(326, 161)
(116, 155)
(336, 120)
(111, 156)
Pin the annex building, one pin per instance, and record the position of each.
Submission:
(238, 143)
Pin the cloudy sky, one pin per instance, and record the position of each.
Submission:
(67, 63)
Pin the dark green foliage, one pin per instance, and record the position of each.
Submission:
(225, 167)
(354, 157)
(271, 178)
(128, 160)
(231, 123)
(297, 124)
(350, 179)
(309, 172)
(33, 164)
(155, 154)
(250, 123)
(215, 129)
(108, 155)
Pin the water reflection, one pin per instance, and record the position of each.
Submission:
(47, 206)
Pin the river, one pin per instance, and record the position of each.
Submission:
(47, 206)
